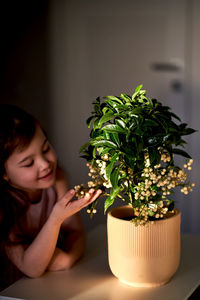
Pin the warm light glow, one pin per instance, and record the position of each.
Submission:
(142, 284)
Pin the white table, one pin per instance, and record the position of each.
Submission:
(91, 278)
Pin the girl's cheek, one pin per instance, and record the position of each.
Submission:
(28, 175)
(53, 156)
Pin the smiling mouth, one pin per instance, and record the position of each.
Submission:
(47, 176)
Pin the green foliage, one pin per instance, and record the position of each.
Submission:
(125, 130)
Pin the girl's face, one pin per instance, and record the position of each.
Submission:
(34, 168)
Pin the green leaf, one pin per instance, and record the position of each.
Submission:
(109, 201)
(122, 108)
(188, 131)
(175, 116)
(105, 118)
(137, 111)
(114, 128)
(130, 161)
(120, 123)
(95, 124)
(126, 98)
(96, 105)
(153, 156)
(84, 147)
(87, 157)
(106, 135)
(89, 121)
(114, 177)
(139, 131)
(105, 109)
(114, 98)
(133, 125)
(140, 164)
(96, 134)
(112, 104)
(115, 138)
(180, 152)
(154, 140)
(133, 115)
(94, 153)
(149, 122)
(103, 143)
(137, 90)
(162, 122)
(111, 165)
(105, 151)
(139, 144)
(98, 99)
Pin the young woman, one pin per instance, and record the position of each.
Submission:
(39, 225)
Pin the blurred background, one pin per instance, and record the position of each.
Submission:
(57, 56)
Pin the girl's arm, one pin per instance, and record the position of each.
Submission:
(72, 238)
(34, 260)
(71, 245)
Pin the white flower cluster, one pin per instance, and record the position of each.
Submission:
(158, 181)
(94, 174)
(80, 191)
(147, 191)
(158, 210)
(188, 188)
(102, 171)
(98, 179)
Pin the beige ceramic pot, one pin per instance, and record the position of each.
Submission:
(143, 256)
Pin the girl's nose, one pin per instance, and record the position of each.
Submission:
(43, 163)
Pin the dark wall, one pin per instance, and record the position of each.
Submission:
(24, 56)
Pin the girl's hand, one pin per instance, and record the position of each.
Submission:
(66, 206)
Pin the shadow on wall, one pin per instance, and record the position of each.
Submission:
(24, 57)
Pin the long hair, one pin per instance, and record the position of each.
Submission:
(17, 129)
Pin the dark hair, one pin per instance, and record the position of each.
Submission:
(17, 129)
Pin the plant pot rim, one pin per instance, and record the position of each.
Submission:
(129, 208)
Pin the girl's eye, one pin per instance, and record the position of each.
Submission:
(46, 149)
(29, 164)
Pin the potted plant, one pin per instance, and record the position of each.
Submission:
(131, 156)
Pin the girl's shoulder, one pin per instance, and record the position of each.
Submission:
(30, 223)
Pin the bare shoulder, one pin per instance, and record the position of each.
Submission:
(62, 185)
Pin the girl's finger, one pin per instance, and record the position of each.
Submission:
(67, 197)
(78, 204)
(90, 198)
(96, 195)
(86, 200)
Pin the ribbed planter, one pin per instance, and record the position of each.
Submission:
(143, 256)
